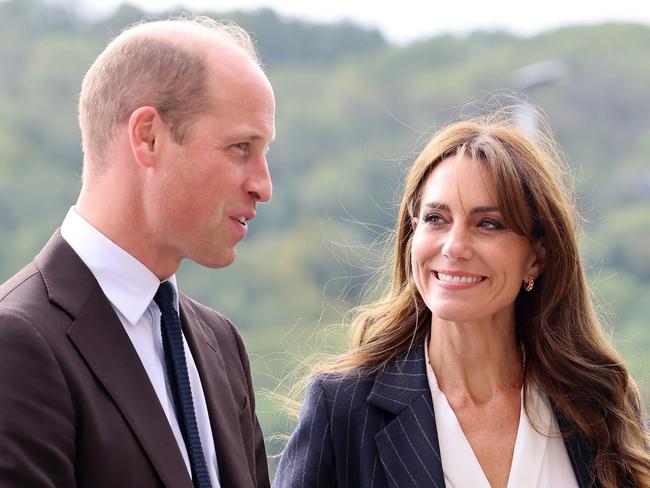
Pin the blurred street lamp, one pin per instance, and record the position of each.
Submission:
(527, 79)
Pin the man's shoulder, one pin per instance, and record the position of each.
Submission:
(25, 285)
(222, 327)
(227, 337)
(205, 313)
(26, 312)
(32, 286)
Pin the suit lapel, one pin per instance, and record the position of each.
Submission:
(100, 339)
(408, 445)
(222, 408)
(580, 453)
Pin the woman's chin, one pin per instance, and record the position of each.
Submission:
(455, 315)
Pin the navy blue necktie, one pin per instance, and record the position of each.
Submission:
(172, 339)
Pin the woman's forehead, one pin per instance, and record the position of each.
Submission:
(460, 178)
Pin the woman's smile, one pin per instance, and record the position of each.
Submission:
(456, 280)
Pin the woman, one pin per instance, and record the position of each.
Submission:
(484, 364)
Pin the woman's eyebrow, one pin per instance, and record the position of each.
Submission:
(480, 210)
(476, 210)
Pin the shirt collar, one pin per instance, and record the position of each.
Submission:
(431, 375)
(127, 283)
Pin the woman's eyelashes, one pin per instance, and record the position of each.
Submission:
(436, 219)
(433, 218)
(490, 224)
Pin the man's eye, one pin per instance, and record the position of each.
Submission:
(242, 146)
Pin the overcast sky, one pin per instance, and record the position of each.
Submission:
(405, 20)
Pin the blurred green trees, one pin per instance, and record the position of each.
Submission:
(352, 112)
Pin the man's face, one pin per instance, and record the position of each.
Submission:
(209, 186)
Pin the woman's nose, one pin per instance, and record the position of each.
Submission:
(457, 246)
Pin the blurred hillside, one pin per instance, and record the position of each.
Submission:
(353, 110)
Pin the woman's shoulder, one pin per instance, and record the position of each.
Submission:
(342, 387)
(406, 371)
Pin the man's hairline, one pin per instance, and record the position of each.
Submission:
(160, 30)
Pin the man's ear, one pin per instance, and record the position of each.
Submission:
(144, 129)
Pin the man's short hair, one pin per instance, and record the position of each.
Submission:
(143, 68)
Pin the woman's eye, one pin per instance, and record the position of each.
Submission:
(433, 219)
(490, 224)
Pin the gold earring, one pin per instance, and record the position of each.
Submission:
(530, 284)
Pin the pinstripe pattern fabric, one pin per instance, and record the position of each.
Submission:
(377, 431)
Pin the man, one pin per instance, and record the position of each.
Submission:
(98, 386)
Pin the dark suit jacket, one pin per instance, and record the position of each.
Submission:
(76, 404)
(379, 430)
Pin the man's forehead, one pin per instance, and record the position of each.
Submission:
(240, 83)
(165, 29)
(186, 34)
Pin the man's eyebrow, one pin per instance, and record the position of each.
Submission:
(476, 210)
(253, 137)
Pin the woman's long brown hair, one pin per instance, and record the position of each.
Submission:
(567, 353)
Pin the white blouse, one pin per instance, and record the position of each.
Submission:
(538, 461)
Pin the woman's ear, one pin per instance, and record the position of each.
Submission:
(414, 223)
(538, 260)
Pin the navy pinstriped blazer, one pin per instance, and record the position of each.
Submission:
(377, 431)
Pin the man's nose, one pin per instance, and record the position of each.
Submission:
(259, 185)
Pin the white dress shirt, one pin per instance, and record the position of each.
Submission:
(538, 461)
(130, 287)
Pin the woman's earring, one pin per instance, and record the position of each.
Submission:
(530, 284)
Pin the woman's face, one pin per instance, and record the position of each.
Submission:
(466, 264)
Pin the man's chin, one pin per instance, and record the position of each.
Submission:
(222, 260)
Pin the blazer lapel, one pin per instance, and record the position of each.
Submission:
(408, 445)
(99, 336)
(580, 453)
(222, 408)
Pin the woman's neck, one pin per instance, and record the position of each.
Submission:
(474, 362)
